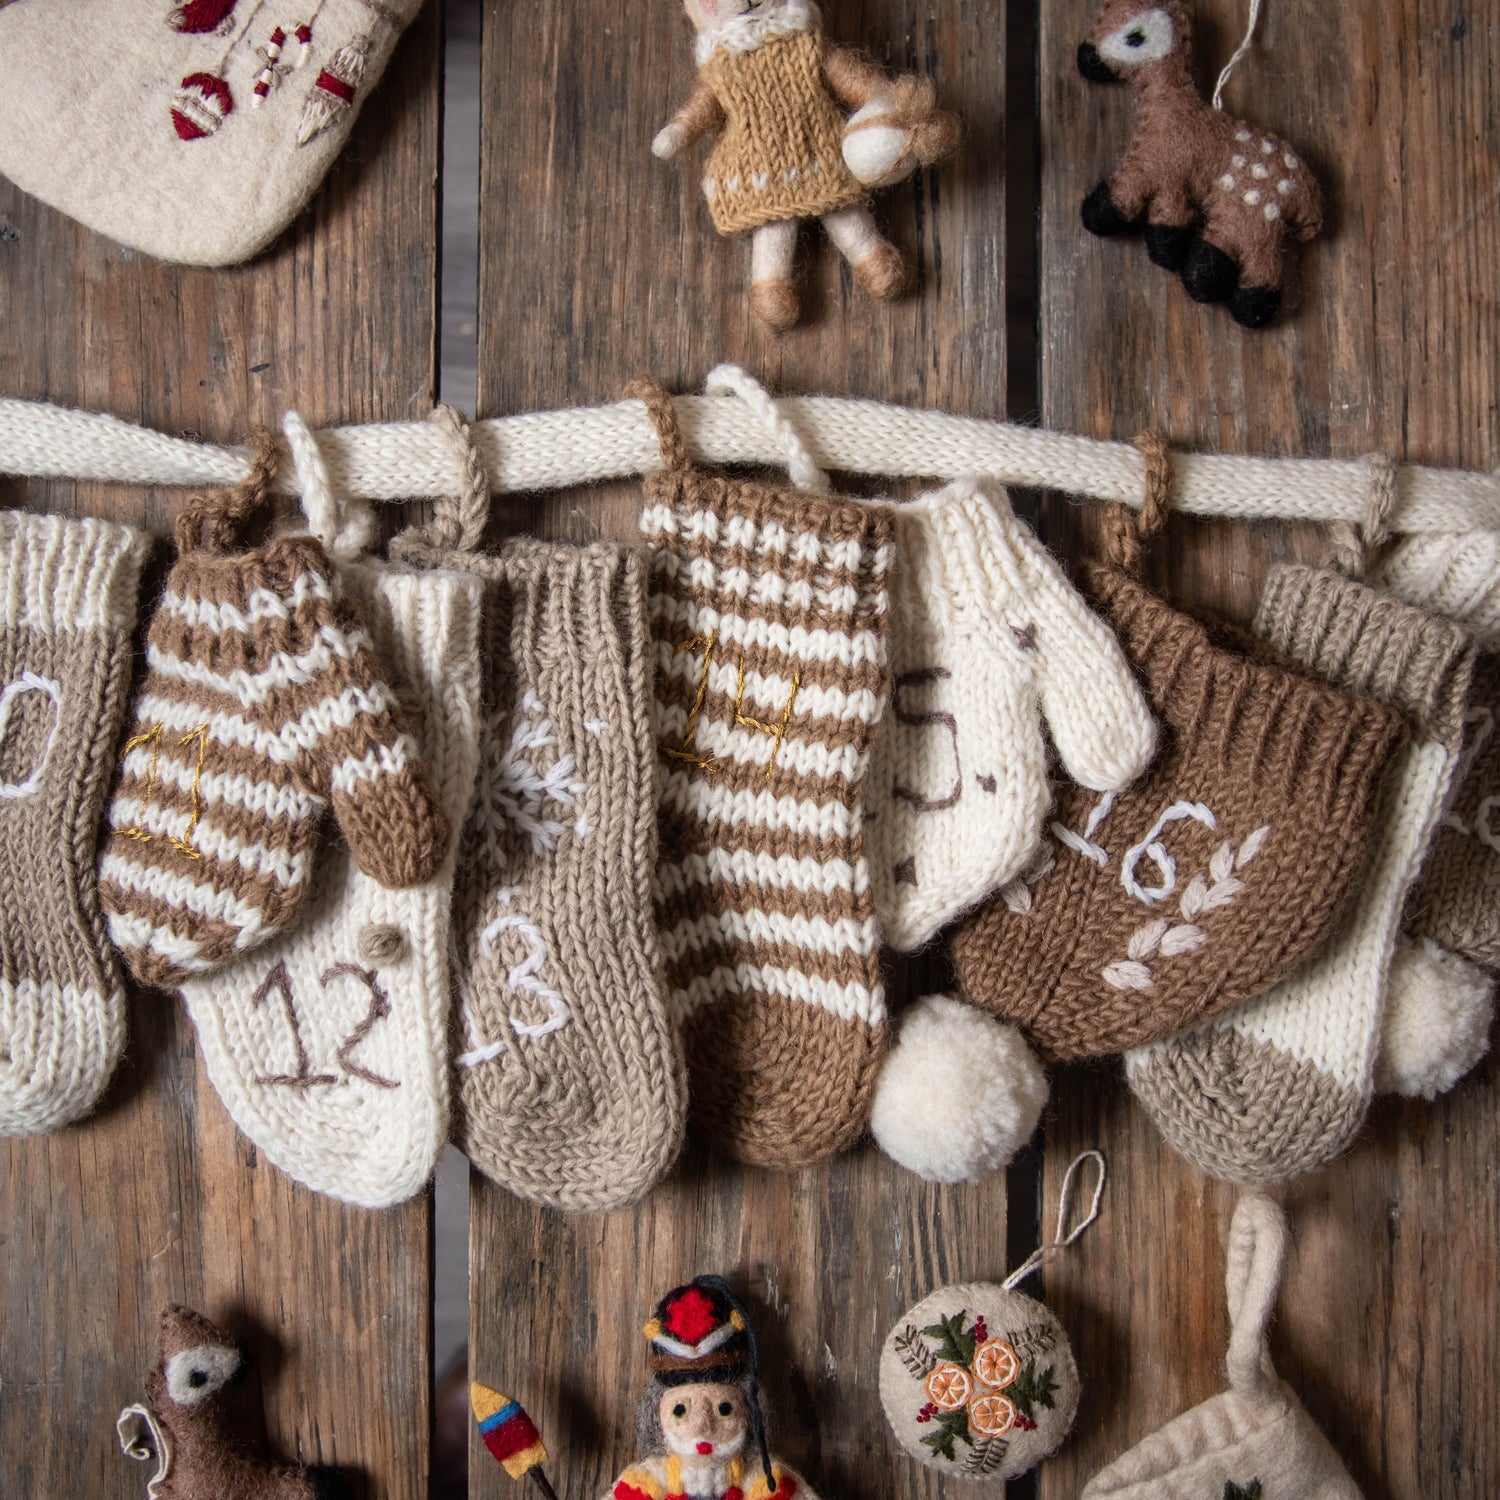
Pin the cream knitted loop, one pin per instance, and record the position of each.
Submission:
(463, 511)
(1356, 547)
(345, 530)
(1255, 1256)
(1063, 1236)
(731, 380)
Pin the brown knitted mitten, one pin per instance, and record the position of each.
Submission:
(1213, 875)
(768, 608)
(69, 597)
(263, 704)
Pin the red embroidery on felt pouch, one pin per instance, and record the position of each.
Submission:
(332, 94)
(273, 69)
(200, 105)
(202, 17)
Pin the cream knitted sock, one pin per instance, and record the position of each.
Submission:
(987, 637)
(194, 132)
(1278, 1087)
(68, 592)
(329, 1045)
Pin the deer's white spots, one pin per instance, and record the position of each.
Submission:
(1262, 172)
(1252, 197)
(1291, 161)
(1237, 162)
(1267, 147)
(1227, 182)
(1273, 210)
(1242, 135)
(1284, 187)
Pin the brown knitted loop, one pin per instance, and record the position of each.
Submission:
(1126, 532)
(458, 521)
(663, 416)
(1356, 547)
(211, 522)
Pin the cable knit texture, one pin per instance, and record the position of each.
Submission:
(768, 614)
(571, 1086)
(1280, 1086)
(1255, 1439)
(69, 600)
(329, 1045)
(263, 703)
(987, 639)
(1212, 876)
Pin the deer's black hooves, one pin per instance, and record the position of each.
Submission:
(1099, 214)
(1167, 245)
(1208, 273)
(1255, 306)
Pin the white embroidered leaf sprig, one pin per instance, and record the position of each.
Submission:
(1204, 894)
(1017, 895)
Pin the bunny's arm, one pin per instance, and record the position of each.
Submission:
(853, 80)
(701, 114)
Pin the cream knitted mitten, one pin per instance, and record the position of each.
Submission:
(1279, 1086)
(987, 638)
(69, 592)
(194, 131)
(1255, 1439)
(329, 1046)
(571, 1086)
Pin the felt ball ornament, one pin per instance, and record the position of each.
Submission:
(978, 1380)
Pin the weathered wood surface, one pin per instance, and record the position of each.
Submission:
(158, 1198)
(1387, 1321)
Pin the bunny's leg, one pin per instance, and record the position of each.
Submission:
(773, 293)
(878, 265)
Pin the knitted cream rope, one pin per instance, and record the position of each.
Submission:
(563, 449)
(345, 531)
(731, 380)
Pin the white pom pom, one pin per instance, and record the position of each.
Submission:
(875, 147)
(1438, 1011)
(959, 1095)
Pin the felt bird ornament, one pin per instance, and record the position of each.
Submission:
(1219, 198)
(776, 93)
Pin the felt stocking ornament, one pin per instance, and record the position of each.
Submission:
(263, 705)
(571, 1086)
(70, 604)
(1254, 1441)
(1210, 877)
(329, 1045)
(987, 638)
(1280, 1086)
(768, 611)
(197, 133)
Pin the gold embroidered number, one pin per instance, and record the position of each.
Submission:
(685, 752)
(153, 738)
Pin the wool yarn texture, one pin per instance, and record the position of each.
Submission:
(195, 132)
(186, 1431)
(1439, 1009)
(1452, 572)
(988, 639)
(768, 619)
(1212, 876)
(65, 657)
(329, 1045)
(1220, 200)
(571, 1085)
(1254, 1441)
(264, 703)
(1280, 1086)
(979, 1382)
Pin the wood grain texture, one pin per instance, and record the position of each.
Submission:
(1391, 347)
(599, 262)
(157, 1198)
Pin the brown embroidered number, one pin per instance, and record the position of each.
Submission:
(380, 1008)
(279, 981)
(921, 721)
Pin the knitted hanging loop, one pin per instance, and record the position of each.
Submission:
(658, 403)
(731, 380)
(1127, 532)
(345, 526)
(1357, 547)
(211, 522)
(459, 517)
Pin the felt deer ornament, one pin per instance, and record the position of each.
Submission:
(1220, 199)
(776, 92)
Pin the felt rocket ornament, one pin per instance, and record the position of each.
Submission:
(1219, 199)
(978, 1380)
(511, 1436)
(776, 93)
(701, 1422)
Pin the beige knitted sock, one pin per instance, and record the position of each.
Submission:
(68, 592)
(194, 131)
(571, 1088)
(1280, 1086)
(987, 638)
(329, 1045)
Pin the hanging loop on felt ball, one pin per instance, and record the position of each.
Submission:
(1063, 1236)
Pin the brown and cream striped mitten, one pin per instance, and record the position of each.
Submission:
(1279, 1086)
(69, 596)
(768, 612)
(263, 705)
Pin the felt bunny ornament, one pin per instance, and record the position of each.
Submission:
(775, 91)
(1219, 198)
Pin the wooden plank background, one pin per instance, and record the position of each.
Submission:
(597, 262)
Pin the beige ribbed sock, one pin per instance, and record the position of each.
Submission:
(329, 1045)
(1279, 1086)
(68, 591)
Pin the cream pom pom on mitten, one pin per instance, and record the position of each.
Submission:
(987, 639)
(1279, 1086)
(1255, 1439)
(329, 1046)
(69, 601)
(193, 131)
(1438, 1012)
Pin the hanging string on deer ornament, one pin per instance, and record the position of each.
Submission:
(1219, 199)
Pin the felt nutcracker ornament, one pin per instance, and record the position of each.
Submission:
(701, 1423)
(1219, 199)
(776, 92)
